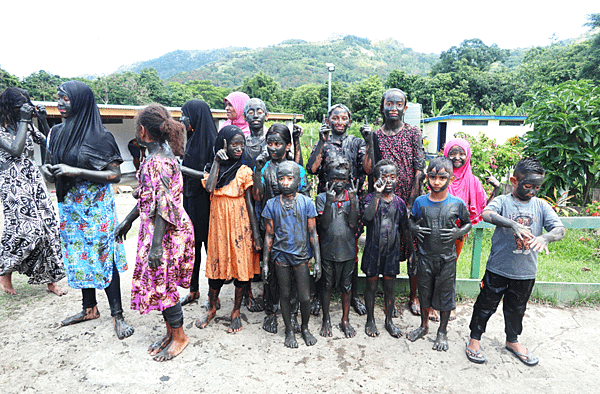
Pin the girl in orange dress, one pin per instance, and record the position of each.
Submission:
(233, 235)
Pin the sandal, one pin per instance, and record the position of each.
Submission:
(527, 359)
(474, 356)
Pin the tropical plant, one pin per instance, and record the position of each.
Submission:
(559, 203)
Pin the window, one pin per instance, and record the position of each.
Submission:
(511, 123)
(474, 122)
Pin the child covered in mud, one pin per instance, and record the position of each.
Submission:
(290, 242)
(437, 220)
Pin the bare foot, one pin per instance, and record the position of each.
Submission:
(192, 297)
(206, 304)
(205, 319)
(393, 330)
(236, 324)
(326, 329)
(159, 345)
(178, 343)
(290, 339)
(53, 288)
(295, 324)
(371, 329)
(417, 333)
(434, 315)
(270, 324)
(309, 339)
(86, 314)
(315, 306)
(441, 342)
(122, 329)
(6, 284)
(452, 315)
(347, 329)
(414, 306)
(358, 306)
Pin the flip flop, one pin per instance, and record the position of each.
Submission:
(527, 359)
(474, 357)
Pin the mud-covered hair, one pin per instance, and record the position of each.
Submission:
(341, 106)
(381, 163)
(252, 101)
(528, 165)
(440, 163)
(386, 93)
(338, 163)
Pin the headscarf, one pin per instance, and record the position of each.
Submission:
(238, 101)
(199, 148)
(81, 140)
(466, 186)
(228, 168)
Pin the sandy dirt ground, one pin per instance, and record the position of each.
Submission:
(37, 355)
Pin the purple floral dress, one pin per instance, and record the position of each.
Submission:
(160, 193)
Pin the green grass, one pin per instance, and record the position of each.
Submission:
(570, 259)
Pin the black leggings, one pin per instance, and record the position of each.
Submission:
(113, 293)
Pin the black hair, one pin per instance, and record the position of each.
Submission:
(339, 163)
(341, 106)
(440, 163)
(10, 99)
(381, 163)
(528, 165)
(284, 132)
(386, 93)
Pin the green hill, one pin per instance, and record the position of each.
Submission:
(294, 62)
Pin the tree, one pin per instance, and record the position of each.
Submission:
(365, 98)
(42, 85)
(400, 80)
(8, 80)
(591, 68)
(565, 137)
(205, 90)
(474, 52)
(306, 100)
(149, 80)
(265, 88)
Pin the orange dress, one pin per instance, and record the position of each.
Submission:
(230, 253)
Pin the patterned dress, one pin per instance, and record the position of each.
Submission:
(230, 252)
(160, 193)
(30, 240)
(88, 220)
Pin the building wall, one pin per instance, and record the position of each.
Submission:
(493, 130)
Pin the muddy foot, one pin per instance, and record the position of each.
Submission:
(358, 306)
(326, 329)
(371, 329)
(159, 345)
(315, 306)
(295, 324)
(205, 319)
(290, 339)
(174, 349)
(309, 339)
(235, 326)
(270, 324)
(53, 288)
(393, 330)
(347, 329)
(192, 297)
(86, 314)
(441, 342)
(122, 329)
(417, 333)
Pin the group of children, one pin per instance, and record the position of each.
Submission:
(260, 209)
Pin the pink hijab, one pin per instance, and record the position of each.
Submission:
(238, 101)
(466, 186)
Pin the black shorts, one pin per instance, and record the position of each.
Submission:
(338, 274)
(437, 284)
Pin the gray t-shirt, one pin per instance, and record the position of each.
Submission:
(510, 256)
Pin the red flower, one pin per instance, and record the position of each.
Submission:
(595, 214)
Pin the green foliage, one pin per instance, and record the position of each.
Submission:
(8, 80)
(265, 88)
(365, 98)
(42, 85)
(559, 203)
(592, 209)
(565, 137)
(488, 156)
(473, 53)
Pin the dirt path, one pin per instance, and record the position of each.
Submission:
(37, 355)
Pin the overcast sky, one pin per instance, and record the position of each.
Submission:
(72, 38)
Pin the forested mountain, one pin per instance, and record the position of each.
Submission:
(180, 61)
(294, 62)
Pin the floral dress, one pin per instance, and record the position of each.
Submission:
(160, 193)
(88, 220)
(30, 240)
